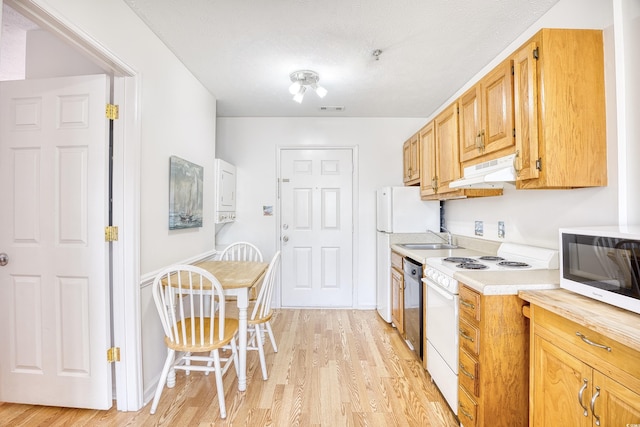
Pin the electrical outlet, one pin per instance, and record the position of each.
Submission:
(479, 228)
(501, 229)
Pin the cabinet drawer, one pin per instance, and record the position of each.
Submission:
(396, 260)
(467, 409)
(470, 303)
(468, 373)
(469, 337)
(600, 349)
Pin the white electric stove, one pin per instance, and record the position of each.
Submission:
(510, 257)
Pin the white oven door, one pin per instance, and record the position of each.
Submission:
(442, 341)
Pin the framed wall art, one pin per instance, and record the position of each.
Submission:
(185, 194)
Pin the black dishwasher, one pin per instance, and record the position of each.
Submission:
(413, 305)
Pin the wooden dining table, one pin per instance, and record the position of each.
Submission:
(237, 279)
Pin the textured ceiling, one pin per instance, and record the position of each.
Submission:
(244, 50)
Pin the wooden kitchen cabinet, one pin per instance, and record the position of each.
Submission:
(440, 162)
(493, 371)
(486, 116)
(428, 175)
(397, 292)
(411, 161)
(581, 377)
(559, 110)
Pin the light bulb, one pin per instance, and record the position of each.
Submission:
(298, 96)
(322, 92)
(294, 88)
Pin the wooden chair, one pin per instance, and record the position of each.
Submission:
(241, 251)
(261, 312)
(191, 305)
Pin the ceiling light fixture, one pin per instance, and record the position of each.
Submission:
(303, 79)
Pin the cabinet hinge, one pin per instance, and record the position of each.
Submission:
(513, 70)
(111, 233)
(113, 354)
(514, 132)
(539, 164)
(112, 112)
(536, 53)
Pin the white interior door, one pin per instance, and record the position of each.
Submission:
(316, 208)
(54, 291)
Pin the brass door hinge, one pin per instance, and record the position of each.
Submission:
(112, 112)
(111, 233)
(113, 354)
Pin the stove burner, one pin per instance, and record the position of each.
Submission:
(459, 259)
(491, 258)
(472, 266)
(515, 264)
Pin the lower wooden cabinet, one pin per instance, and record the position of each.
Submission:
(397, 292)
(493, 371)
(580, 377)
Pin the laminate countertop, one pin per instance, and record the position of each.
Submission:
(509, 282)
(618, 324)
(488, 282)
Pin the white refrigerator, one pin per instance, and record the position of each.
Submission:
(399, 210)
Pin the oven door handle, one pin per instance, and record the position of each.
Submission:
(442, 292)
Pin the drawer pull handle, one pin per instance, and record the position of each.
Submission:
(593, 405)
(464, 371)
(595, 344)
(467, 304)
(580, 393)
(465, 413)
(464, 335)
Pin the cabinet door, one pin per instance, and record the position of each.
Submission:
(411, 164)
(470, 123)
(447, 154)
(406, 162)
(428, 185)
(613, 403)
(497, 109)
(397, 300)
(525, 95)
(557, 381)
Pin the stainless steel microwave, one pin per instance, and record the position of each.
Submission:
(602, 263)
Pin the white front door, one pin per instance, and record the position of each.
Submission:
(54, 290)
(316, 227)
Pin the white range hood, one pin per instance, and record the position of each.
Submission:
(490, 174)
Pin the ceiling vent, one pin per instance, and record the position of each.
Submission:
(332, 108)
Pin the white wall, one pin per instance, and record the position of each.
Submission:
(251, 144)
(48, 56)
(627, 35)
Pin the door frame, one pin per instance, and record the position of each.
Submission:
(125, 253)
(355, 213)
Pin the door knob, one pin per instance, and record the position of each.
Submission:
(285, 239)
(4, 259)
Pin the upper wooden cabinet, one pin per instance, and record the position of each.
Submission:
(411, 161)
(428, 172)
(486, 115)
(440, 162)
(559, 110)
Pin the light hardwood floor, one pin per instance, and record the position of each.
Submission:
(333, 368)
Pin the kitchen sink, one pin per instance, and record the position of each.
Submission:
(428, 246)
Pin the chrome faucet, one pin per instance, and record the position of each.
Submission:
(449, 238)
